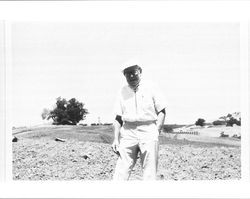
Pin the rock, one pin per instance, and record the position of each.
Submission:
(60, 140)
(204, 167)
(14, 139)
(85, 157)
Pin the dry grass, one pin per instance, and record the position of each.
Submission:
(104, 134)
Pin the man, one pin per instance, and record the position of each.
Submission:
(140, 114)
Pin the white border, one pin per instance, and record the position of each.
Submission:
(2, 106)
(186, 11)
(126, 11)
(244, 101)
(8, 117)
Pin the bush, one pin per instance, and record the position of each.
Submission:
(233, 121)
(200, 122)
(66, 112)
(83, 124)
(107, 124)
(222, 134)
(167, 129)
(219, 122)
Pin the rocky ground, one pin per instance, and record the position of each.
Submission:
(43, 158)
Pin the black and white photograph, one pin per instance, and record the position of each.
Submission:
(116, 101)
(66, 82)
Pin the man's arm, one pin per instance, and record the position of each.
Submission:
(117, 126)
(160, 119)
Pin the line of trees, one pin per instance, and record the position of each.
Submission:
(228, 120)
(72, 111)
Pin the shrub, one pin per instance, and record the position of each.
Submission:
(222, 134)
(83, 124)
(219, 122)
(107, 124)
(200, 122)
(233, 121)
(167, 129)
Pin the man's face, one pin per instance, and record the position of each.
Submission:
(132, 76)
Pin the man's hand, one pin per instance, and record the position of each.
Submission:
(115, 146)
(159, 130)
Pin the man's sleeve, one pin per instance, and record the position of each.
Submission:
(159, 99)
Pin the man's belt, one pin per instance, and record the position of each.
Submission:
(139, 123)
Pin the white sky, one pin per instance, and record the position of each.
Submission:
(196, 65)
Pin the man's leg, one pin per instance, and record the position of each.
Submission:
(128, 154)
(149, 159)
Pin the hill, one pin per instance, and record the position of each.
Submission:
(100, 134)
(84, 153)
(104, 134)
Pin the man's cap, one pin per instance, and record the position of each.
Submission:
(130, 65)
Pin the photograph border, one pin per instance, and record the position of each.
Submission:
(157, 189)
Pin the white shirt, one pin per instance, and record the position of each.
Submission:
(140, 106)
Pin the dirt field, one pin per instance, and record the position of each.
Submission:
(86, 154)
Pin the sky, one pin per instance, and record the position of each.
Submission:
(196, 66)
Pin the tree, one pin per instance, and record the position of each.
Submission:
(219, 122)
(223, 118)
(75, 111)
(233, 121)
(200, 122)
(66, 112)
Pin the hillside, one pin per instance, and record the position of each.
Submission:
(86, 154)
(104, 134)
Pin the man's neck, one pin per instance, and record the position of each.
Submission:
(135, 87)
